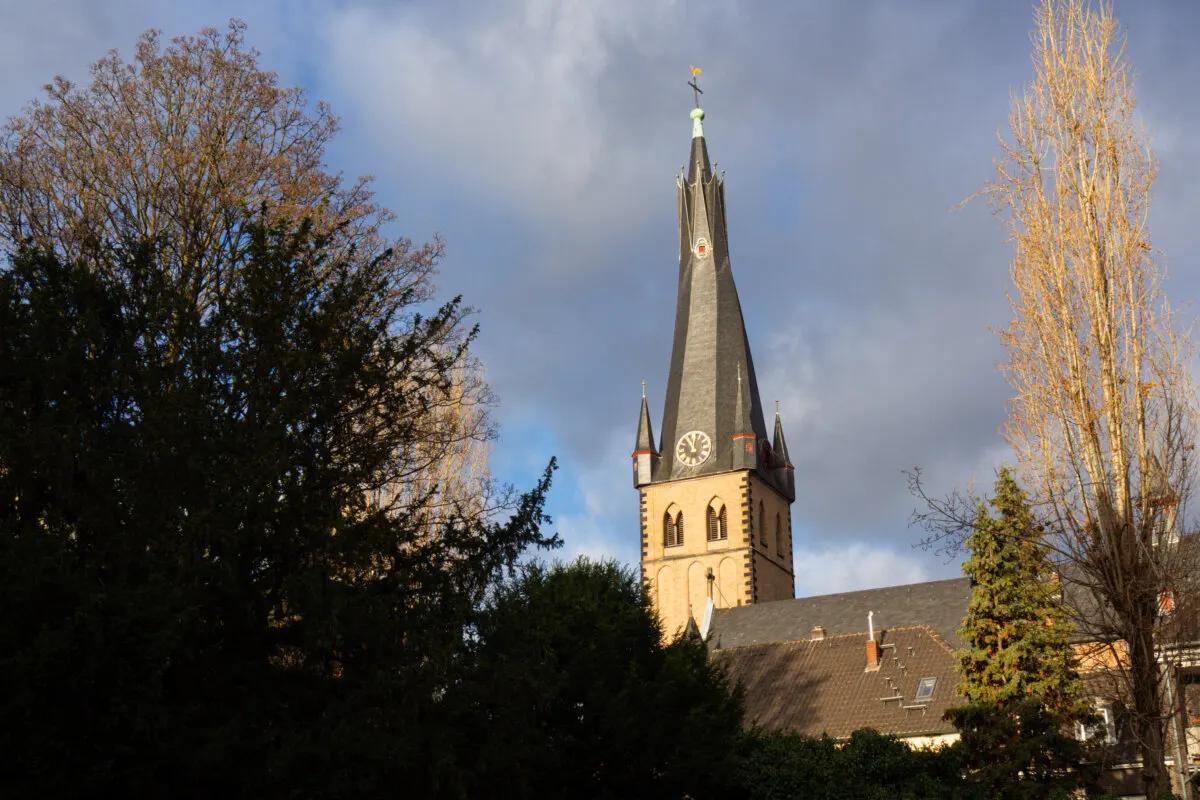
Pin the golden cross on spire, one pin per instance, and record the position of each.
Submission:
(696, 90)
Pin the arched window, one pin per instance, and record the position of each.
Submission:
(778, 533)
(762, 526)
(672, 528)
(716, 518)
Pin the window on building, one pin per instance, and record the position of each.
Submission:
(925, 688)
(762, 526)
(1191, 695)
(778, 533)
(672, 528)
(1104, 729)
(716, 519)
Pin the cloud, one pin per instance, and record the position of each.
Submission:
(859, 565)
(508, 99)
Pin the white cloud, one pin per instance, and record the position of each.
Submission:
(507, 99)
(860, 565)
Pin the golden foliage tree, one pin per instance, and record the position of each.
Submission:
(1104, 416)
(187, 146)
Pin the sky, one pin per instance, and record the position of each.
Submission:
(540, 139)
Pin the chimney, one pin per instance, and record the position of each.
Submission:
(817, 634)
(872, 645)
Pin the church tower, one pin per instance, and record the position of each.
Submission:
(716, 495)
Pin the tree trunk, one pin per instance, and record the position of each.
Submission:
(1147, 707)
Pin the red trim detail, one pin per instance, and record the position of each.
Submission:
(637, 453)
(743, 436)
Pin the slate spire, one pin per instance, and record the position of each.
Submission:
(712, 389)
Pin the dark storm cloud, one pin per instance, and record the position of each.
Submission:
(540, 138)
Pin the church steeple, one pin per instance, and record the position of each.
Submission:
(712, 389)
(714, 496)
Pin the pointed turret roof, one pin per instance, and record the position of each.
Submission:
(779, 445)
(645, 433)
(710, 347)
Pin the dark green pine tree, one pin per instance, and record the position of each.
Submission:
(1015, 630)
(1016, 634)
(1019, 674)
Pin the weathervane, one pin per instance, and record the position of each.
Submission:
(696, 90)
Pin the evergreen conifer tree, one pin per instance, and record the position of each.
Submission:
(1015, 632)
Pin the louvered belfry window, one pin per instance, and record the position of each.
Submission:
(717, 528)
(672, 529)
(778, 533)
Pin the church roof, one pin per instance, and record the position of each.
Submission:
(940, 605)
(819, 687)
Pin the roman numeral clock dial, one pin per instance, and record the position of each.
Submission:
(693, 448)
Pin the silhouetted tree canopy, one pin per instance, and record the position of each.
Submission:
(200, 595)
(574, 694)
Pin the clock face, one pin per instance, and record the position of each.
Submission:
(693, 448)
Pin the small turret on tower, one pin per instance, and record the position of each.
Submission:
(784, 470)
(645, 454)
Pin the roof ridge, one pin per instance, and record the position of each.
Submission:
(882, 588)
(920, 627)
(937, 637)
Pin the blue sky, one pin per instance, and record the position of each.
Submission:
(540, 139)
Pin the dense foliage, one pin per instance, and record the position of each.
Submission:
(199, 592)
(1020, 751)
(1019, 672)
(575, 695)
(1016, 631)
(867, 766)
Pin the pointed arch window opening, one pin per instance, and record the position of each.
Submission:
(762, 526)
(779, 534)
(672, 529)
(717, 522)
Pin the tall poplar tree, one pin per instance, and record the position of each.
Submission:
(1016, 632)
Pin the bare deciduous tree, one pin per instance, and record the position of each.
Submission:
(1104, 414)
(186, 146)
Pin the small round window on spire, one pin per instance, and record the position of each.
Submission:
(701, 247)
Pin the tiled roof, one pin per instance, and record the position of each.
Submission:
(940, 605)
(822, 686)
